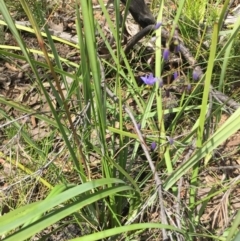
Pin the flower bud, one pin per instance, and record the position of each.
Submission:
(158, 25)
(166, 54)
(153, 146)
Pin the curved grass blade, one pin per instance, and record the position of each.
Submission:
(22, 215)
(68, 209)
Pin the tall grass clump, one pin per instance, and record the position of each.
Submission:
(111, 157)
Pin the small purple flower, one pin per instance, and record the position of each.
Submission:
(149, 79)
(166, 54)
(175, 75)
(197, 73)
(139, 126)
(158, 25)
(153, 146)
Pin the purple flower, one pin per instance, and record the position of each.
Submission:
(149, 79)
(158, 25)
(197, 73)
(175, 75)
(139, 126)
(153, 146)
(166, 54)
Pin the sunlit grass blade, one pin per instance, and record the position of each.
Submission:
(68, 209)
(123, 229)
(207, 84)
(234, 229)
(20, 216)
(40, 53)
(54, 192)
(31, 30)
(224, 132)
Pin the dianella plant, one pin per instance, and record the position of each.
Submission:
(119, 120)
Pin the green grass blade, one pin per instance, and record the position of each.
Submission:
(111, 232)
(222, 134)
(68, 209)
(20, 216)
(235, 228)
(207, 84)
